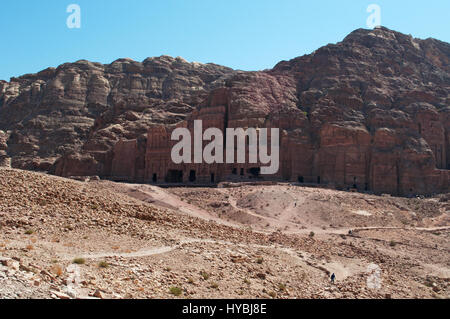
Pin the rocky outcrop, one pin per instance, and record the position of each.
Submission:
(5, 161)
(84, 107)
(378, 101)
(371, 112)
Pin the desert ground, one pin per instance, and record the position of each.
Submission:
(62, 238)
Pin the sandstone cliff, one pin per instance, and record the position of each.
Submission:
(371, 112)
(83, 106)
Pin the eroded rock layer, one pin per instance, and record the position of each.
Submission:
(371, 112)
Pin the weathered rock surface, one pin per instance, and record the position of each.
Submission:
(4, 159)
(85, 107)
(370, 112)
(378, 106)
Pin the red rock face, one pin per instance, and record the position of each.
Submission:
(371, 112)
(124, 160)
(86, 107)
(4, 159)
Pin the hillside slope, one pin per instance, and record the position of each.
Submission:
(61, 238)
(371, 112)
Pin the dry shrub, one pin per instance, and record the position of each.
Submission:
(57, 270)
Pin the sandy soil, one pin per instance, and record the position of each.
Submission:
(61, 238)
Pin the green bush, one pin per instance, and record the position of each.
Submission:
(204, 275)
(79, 261)
(176, 291)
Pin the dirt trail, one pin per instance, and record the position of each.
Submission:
(144, 252)
(341, 268)
(303, 258)
(280, 222)
(233, 204)
(140, 253)
(346, 230)
(43, 232)
(149, 193)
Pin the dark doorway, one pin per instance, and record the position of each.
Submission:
(318, 179)
(300, 179)
(255, 171)
(174, 176)
(234, 171)
(242, 172)
(155, 178)
(192, 176)
(212, 178)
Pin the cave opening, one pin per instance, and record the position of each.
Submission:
(174, 176)
(255, 171)
(192, 176)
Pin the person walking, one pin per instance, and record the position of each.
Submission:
(333, 277)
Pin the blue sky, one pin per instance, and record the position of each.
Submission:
(242, 34)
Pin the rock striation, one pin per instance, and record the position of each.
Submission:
(5, 161)
(370, 113)
(80, 110)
